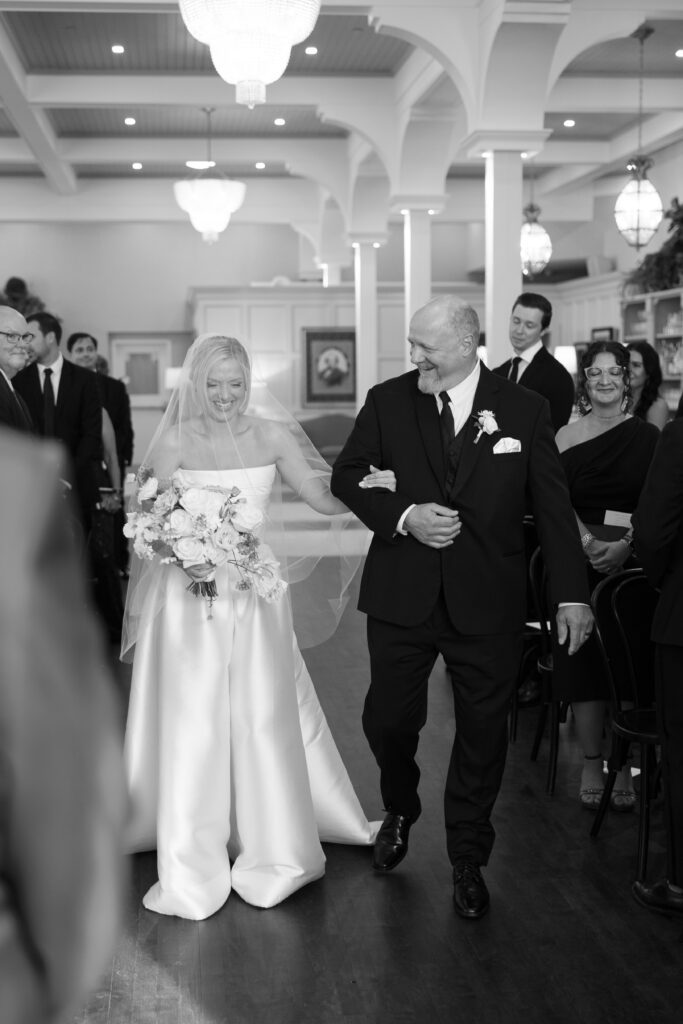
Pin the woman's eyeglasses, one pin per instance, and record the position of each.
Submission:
(595, 372)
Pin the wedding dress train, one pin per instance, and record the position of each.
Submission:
(228, 754)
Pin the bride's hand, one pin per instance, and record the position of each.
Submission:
(199, 573)
(379, 478)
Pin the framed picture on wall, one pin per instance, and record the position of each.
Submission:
(329, 367)
(604, 334)
(141, 362)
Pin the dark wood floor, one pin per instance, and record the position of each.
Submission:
(564, 942)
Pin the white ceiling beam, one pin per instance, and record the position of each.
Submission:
(614, 94)
(31, 124)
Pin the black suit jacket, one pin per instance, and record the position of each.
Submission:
(115, 400)
(13, 409)
(658, 533)
(549, 378)
(483, 573)
(78, 421)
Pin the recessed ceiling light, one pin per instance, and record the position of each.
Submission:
(404, 212)
(431, 212)
(200, 165)
(136, 166)
(279, 121)
(117, 48)
(679, 53)
(524, 156)
(569, 123)
(375, 245)
(311, 51)
(130, 121)
(259, 165)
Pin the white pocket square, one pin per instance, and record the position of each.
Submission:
(506, 445)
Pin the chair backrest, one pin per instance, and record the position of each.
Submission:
(611, 640)
(634, 601)
(539, 596)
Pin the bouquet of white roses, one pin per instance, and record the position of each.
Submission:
(188, 525)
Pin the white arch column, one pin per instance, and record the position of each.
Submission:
(417, 251)
(504, 203)
(365, 278)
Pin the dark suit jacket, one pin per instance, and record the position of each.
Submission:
(658, 533)
(115, 400)
(78, 420)
(13, 409)
(483, 573)
(549, 378)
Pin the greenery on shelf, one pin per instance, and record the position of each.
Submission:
(662, 269)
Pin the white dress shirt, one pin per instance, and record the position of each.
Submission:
(56, 368)
(525, 358)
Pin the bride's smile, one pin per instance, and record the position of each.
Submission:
(226, 389)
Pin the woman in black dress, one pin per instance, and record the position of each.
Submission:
(646, 380)
(606, 454)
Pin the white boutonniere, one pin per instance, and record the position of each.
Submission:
(486, 422)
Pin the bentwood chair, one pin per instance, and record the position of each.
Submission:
(549, 704)
(532, 629)
(623, 605)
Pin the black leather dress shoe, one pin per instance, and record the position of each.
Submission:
(470, 895)
(660, 897)
(391, 844)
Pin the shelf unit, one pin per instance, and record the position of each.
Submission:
(657, 318)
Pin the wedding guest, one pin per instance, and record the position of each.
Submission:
(646, 380)
(533, 366)
(62, 800)
(14, 339)
(446, 572)
(606, 454)
(658, 538)
(116, 403)
(17, 296)
(64, 403)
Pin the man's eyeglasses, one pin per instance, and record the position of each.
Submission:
(15, 338)
(594, 372)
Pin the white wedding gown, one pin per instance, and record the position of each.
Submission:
(228, 755)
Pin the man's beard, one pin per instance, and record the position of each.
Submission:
(429, 385)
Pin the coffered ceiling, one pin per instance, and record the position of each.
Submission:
(64, 95)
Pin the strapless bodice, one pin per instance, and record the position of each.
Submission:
(254, 482)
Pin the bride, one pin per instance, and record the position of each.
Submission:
(233, 774)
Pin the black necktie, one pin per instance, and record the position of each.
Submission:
(447, 425)
(48, 405)
(514, 369)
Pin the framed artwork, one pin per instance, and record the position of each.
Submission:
(604, 334)
(329, 367)
(141, 361)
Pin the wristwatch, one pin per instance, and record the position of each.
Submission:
(586, 539)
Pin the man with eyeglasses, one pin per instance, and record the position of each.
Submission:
(14, 338)
(64, 403)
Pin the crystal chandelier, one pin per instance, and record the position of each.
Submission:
(210, 198)
(638, 210)
(250, 40)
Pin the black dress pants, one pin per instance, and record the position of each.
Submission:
(669, 691)
(483, 672)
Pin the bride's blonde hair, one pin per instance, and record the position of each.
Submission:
(206, 352)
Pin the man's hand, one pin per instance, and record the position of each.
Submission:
(433, 525)
(575, 621)
(610, 557)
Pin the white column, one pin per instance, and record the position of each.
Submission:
(417, 260)
(365, 276)
(504, 202)
(331, 274)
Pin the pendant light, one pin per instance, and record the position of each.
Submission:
(250, 40)
(535, 247)
(210, 198)
(638, 210)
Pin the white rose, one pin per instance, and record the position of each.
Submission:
(226, 537)
(488, 423)
(165, 502)
(247, 518)
(214, 554)
(190, 551)
(200, 501)
(181, 522)
(148, 489)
